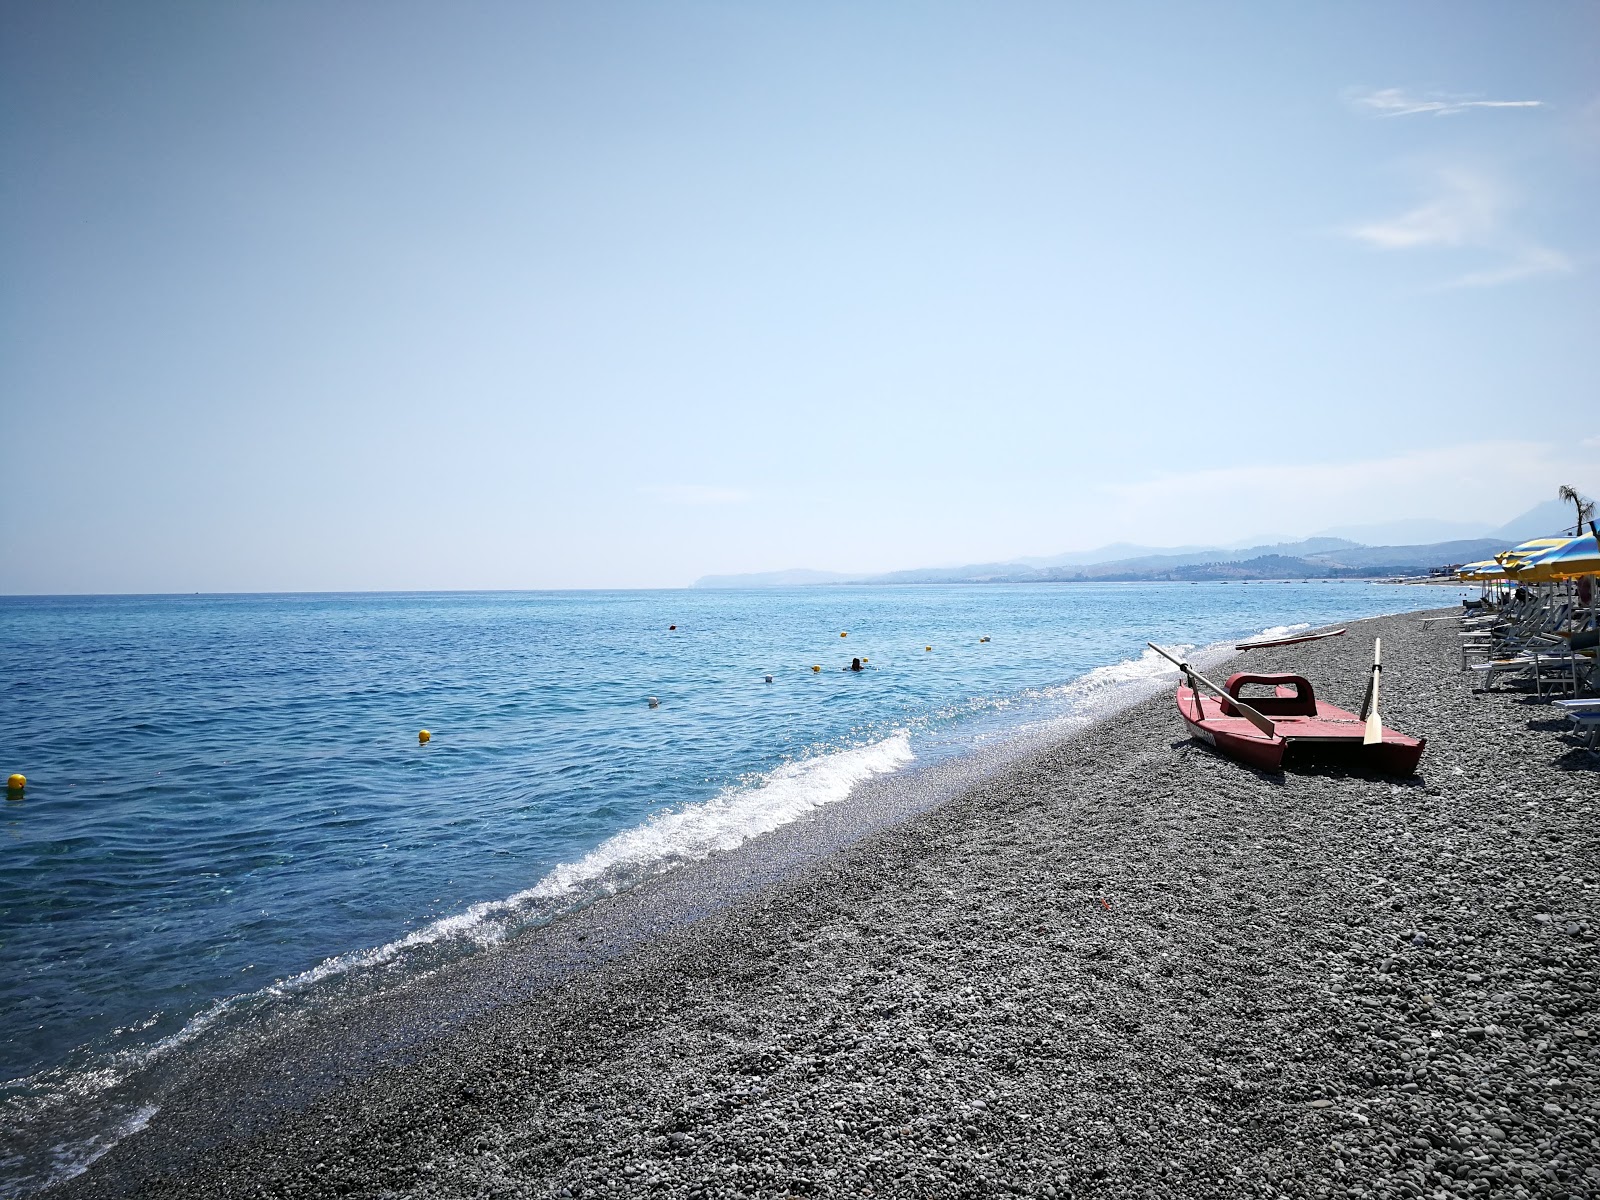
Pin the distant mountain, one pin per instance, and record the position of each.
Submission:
(1314, 558)
(1115, 552)
(1419, 531)
(1550, 519)
(1264, 566)
(1208, 563)
(1157, 564)
(1402, 547)
(1398, 560)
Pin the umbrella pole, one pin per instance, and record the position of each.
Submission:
(1572, 628)
(1594, 612)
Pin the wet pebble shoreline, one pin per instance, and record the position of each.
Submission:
(1127, 967)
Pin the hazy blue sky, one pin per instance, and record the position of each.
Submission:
(455, 295)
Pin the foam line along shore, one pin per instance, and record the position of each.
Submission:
(1123, 963)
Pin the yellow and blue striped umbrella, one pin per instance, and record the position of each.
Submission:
(1573, 558)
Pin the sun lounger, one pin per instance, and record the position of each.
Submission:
(1556, 667)
(1585, 720)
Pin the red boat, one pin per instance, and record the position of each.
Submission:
(1291, 722)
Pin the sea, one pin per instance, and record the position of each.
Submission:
(229, 807)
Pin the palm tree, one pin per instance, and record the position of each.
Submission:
(1584, 506)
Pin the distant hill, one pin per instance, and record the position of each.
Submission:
(1395, 560)
(1115, 552)
(1265, 566)
(1549, 519)
(1313, 558)
(1332, 554)
(1162, 564)
(1419, 532)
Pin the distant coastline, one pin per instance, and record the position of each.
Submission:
(1333, 554)
(1314, 558)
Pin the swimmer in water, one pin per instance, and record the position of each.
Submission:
(855, 664)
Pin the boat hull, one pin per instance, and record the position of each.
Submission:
(1250, 747)
(1324, 735)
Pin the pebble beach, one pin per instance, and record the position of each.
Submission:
(1125, 966)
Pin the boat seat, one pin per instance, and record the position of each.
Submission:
(1292, 695)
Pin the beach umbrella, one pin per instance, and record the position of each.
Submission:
(1579, 556)
(1528, 549)
(1531, 569)
(1483, 571)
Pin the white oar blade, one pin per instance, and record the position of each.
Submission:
(1374, 730)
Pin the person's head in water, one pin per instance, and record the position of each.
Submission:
(855, 664)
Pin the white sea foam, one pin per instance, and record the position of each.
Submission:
(78, 1159)
(1148, 668)
(669, 839)
(666, 840)
(734, 816)
(1120, 685)
(994, 731)
(1277, 631)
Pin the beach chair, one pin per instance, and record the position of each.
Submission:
(1537, 630)
(1550, 665)
(1585, 716)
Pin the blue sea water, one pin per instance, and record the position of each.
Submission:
(227, 797)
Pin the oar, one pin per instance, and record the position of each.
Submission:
(1369, 706)
(1289, 641)
(1250, 714)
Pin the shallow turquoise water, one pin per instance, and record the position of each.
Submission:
(228, 792)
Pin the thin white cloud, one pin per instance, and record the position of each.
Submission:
(1396, 102)
(1465, 210)
(1530, 261)
(694, 494)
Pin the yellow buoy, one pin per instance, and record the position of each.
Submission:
(16, 783)
(927, 647)
(866, 660)
(846, 633)
(818, 670)
(423, 737)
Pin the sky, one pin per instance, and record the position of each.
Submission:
(368, 296)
